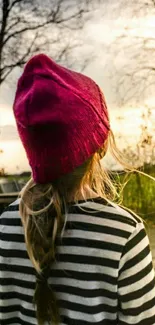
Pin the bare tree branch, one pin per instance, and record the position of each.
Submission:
(19, 61)
(5, 13)
(13, 4)
(25, 29)
(31, 28)
(21, 19)
(14, 23)
(135, 75)
(63, 20)
(7, 73)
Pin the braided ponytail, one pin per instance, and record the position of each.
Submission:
(42, 224)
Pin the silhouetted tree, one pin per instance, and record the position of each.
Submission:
(31, 26)
(132, 52)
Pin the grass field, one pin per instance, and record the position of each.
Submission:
(139, 193)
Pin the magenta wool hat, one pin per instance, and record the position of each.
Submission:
(61, 117)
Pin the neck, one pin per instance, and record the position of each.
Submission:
(85, 194)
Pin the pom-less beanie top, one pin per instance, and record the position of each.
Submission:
(61, 116)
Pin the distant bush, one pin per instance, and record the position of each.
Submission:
(139, 193)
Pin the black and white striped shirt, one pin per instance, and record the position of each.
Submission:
(103, 273)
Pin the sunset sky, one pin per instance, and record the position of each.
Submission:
(99, 36)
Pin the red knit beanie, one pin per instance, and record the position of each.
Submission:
(61, 117)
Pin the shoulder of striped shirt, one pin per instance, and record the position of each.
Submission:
(15, 202)
(14, 206)
(111, 208)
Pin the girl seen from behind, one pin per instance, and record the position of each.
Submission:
(69, 254)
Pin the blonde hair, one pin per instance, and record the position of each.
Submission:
(43, 208)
